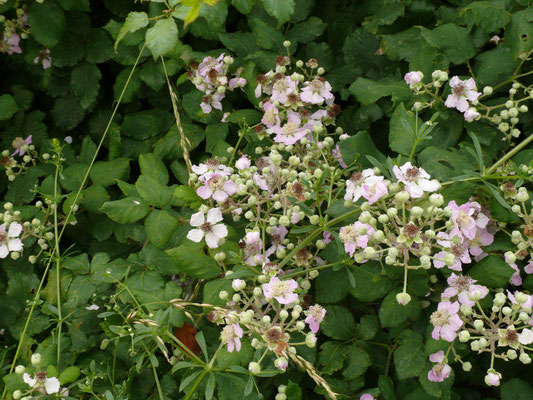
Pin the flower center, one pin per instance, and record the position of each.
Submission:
(3, 237)
(273, 335)
(463, 219)
(348, 233)
(457, 251)
(316, 312)
(281, 85)
(289, 129)
(206, 227)
(411, 230)
(270, 117)
(40, 376)
(412, 174)
(439, 317)
(280, 288)
(459, 90)
(227, 334)
(511, 335)
(214, 182)
(461, 282)
(357, 178)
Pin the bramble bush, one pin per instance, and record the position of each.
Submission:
(266, 199)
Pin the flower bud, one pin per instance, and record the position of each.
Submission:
(478, 324)
(487, 90)
(254, 368)
(223, 295)
(511, 354)
(20, 369)
(466, 310)
(464, 336)
(36, 359)
(287, 43)
(310, 340)
(403, 298)
(283, 315)
(402, 197)
(449, 259)
(417, 212)
(525, 358)
(467, 366)
(300, 325)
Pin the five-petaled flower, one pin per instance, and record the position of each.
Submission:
(212, 231)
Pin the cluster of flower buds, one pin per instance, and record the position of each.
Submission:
(211, 77)
(503, 330)
(14, 166)
(466, 99)
(39, 383)
(397, 221)
(14, 30)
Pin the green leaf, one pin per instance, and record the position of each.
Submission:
(160, 226)
(251, 117)
(386, 388)
(331, 286)
(494, 66)
(244, 6)
(99, 48)
(85, 83)
(453, 40)
(370, 282)
(213, 288)
(192, 262)
(69, 374)
(368, 327)
(265, 35)
(146, 124)
(358, 363)
(132, 87)
(152, 166)
(491, 271)
(94, 198)
(368, 92)
(402, 136)
(519, 33)
(331, 357)
(294, 391)
(152, 76)
(67, 112)
(282, 10)
(409, 357)
(152, 191)
(516, 389)
(488, 15)
(186, 196)
(8, 106)
(240, 43)
(306, 31)
(106, 173)
(358, 146)
(125, 211)
(338, 323)
(162, 37)
(47, 22)
(392, 314)
(134, 21)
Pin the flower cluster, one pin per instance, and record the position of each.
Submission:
(211, 77)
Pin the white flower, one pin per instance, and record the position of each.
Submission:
(51, 385)
(416, 180)
(213, 232)
(92, 307)
(9, 240)
(526, 336)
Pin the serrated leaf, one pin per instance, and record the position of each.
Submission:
(85, 83)
(192, 262)
(331, 357)
(282, 10)
(134, 21)
(125, 211)
(358, 363)
(409, 357)
(160, 226)
(453, 40)
(162, 37)
(152, 191)
(491, 271)
(47, 22)
(107, 173)
(151, 165)
(338, 323)
(8, 106)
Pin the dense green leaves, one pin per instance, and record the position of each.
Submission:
(491, 271)
(125, 211)
(8, 106)
(409, 357)
(192, 262)
(162, 37)
(339, 323)
(134, 21)
(281, 9)
(47, 22)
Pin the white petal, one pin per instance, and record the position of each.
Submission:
(212, 240)
(197, 219)
(196, 235)
(214, 215)
(4, 252)
(526, 337)
(51, 385)
(15, 245)
(220, 230)
(29, 380)
(428, 186)
(14, 230)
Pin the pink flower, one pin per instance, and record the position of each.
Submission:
(471, 114)
(252, 246)
(462, 93)
(374, 189)
(446, 322)
(210, 101)
(529, 268)
(231, 335)
(271, 116)
(493, 378)
(515, 279)
(261, 182)
(277, 238)
(483, 238)
(413, 77)
(281, 363)
(14, 47)
(237, 82)
(463, 286)
(459, 251)
(316, 91)
(218, 187)
(213, 232)
(209, 63)
(463, 220)
(356, 235)
(211, 166)
(282, 291)
(291, 132)
(19, 144)
(366, 396)
(354, 185)
(327, 237)
(440, 371)
(315, 316)
(44, 58)
(416, 180)
(282, 88)
(243, 163)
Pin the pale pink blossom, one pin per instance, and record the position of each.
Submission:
(462, 217)
(526, 336)
(210, 101)
(282, 88)
(291, 132)
(446, 321)
(493, 378)
(276, 239)
(336, 153)
(231, 335)
(271, 115)
(218, 187)
(413, 77)
(441, 370)
(40, 380)
(209, 167)
(19, 143)
(416, 180)
(44, 59)
(462, 93)
(459, 251)
(374, 188)
(315, 315)
(463, 286)
(483, 238)
(354, 185)
(366, 396)
(355, 235)
(529, 268)
(282, 291)
(471, 114)
(212, 231)
(252, 246)
(9, 240)
(316, 91)
(13, 42)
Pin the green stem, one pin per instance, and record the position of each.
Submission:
(509, 155)
(57, 257)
